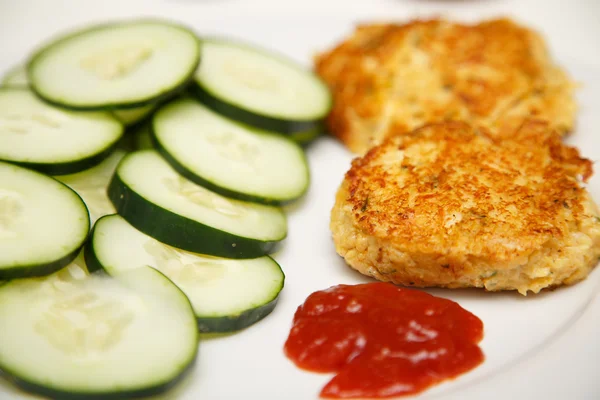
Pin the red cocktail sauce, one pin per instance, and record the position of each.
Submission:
(382, 340)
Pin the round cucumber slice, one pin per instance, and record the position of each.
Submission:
(116, 65)
(155, 199)
(227, 157)
(50, 139)
(100, 337)
(260, 88)
(43, 223)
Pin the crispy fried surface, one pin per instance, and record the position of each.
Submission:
(450, 205)
(390, 78)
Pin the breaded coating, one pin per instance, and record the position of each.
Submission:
(391, 78)
(453, 206)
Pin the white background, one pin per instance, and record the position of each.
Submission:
(539, 347)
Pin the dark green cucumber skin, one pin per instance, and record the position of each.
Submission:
(89, 254)
(163, 96)
(250, 118)
(53, 393)
(181, 232)
(177, 166)
(72, 167)
(30, 271)
(237, 322)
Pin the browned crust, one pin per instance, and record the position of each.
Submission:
(400, 76)
(470, 167)
(450, 205)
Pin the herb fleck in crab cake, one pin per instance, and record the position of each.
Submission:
(390, 78)
(453, 206)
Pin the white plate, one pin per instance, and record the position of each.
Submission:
(543, 346)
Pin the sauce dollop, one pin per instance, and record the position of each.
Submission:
(382, 340)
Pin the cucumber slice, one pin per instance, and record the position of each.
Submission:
(100, 337)
(52, 140)
(92, 184)
(227, 157)
(227, 295)
(260, 88)
(43, 223)
(118, 65)
(155, 199)
(131, 116)
(16, 76)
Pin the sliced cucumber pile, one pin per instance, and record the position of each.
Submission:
(53, 140)
(130, 335)
(227, 295)
(17, 76)
(127, 64)
(91, 185)
(155, 199)
(227, 157)
(43, 223)
(102, 125)
(260, 88)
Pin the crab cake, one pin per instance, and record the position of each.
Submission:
(391, 78)
(453, 206)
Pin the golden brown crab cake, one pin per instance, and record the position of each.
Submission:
(452, 206)
(390, 78)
